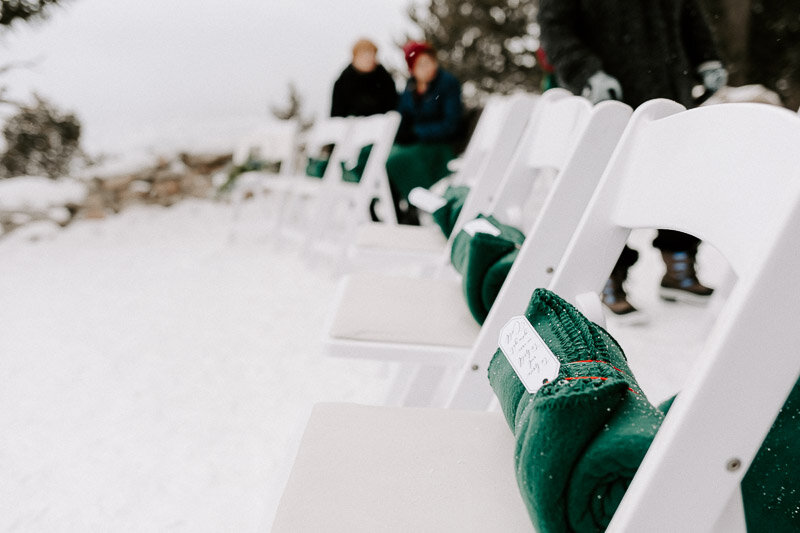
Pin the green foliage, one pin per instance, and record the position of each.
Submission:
(13, 10)
(490, 45)
(251, 165)
(40, 140)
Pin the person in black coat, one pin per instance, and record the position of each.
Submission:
(634, 51)
(364, 87)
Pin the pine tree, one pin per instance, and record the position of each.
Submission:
(489, 45)
(40, 140)
(14, 10)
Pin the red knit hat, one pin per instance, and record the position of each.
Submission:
(413, 49)
(541, 57)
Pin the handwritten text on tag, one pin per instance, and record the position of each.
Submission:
(528, 354)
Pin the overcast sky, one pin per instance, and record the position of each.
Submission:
(179, 72)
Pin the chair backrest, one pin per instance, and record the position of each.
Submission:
(275, 142)
(551, 141)
(484, 192)
(379, 131)
(326, 131)
(485, 134)
(546, 241)
(729, 174)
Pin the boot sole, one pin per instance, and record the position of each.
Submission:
(679, 296)
(636, 318)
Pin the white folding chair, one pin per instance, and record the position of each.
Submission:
(340, 206)
(728, 174)
(741, 164)
(272, 144)
(496, 136)
(292, 192)
(426, 322)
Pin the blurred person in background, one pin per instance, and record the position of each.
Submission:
(431, 124)
(364, 87)
(634, 52)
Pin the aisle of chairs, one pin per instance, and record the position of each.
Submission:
(497, 329)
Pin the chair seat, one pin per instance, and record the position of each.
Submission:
(401, 310)
(401, 238)
(356, 464)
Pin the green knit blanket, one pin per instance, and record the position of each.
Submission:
(484, 260)
(315, 167)
(353, 173)
(446, 216)
(417, 165)
(581, 437)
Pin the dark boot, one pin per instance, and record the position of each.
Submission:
(680, 283)
(407, 214)
(614, 296)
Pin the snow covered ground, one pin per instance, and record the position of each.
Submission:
(153, 373)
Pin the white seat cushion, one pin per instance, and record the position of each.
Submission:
(402, 310)
(389, 469)
(401, 238)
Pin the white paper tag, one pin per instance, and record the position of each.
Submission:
(528, 354)
(481, 225)
(426, 200)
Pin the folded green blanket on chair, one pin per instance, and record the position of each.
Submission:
(483, 260)
(315, 167)
(446, 216)
(581, 438)
(353, 174)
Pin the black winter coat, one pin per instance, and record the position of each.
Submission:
(363, 93)
(653, 47)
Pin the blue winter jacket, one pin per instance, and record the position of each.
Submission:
(434, 116)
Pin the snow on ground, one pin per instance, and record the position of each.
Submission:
(153, 372)
(39, 193)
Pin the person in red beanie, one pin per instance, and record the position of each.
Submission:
(431, 111)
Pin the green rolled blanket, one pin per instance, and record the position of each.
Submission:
(484, 261)
(417, 165)
(581, 437)
(445, 217)
(352, 174)
(315, 167)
